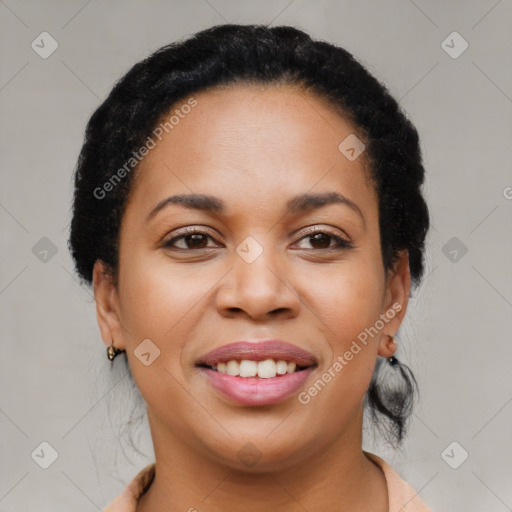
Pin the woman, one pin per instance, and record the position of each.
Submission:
(248, 210)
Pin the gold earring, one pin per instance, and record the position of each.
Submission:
(112, 351)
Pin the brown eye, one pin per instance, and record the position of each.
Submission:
(192, 240)
(196, 241)
(321, 240)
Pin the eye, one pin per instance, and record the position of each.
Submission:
(320, 237)
(192, 239)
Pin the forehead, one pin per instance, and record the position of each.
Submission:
(251, 144)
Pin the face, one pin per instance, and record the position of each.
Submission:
(194, 279)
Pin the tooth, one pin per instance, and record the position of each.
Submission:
(281, 367)
(248, 368)
(264, 369)
(267, 369)
(233, 368)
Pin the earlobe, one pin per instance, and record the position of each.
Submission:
(387, 346)
(105, 294)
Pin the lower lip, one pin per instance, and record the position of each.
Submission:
(255, 390)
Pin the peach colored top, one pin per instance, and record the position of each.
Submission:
(402, 496)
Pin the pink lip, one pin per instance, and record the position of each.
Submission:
(257, 391)
(259, 351)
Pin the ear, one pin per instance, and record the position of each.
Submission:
(107, 306)
(396, 298)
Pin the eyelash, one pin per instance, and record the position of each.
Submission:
(341, 243)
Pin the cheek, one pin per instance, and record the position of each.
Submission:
(348, 301)
(157, 298)
(157, 304)
(347, 298)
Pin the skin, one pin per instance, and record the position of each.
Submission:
(254, 147)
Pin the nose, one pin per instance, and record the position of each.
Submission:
(261, 290)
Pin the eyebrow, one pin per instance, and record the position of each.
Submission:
(297, 204)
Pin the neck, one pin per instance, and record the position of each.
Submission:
(339, 477)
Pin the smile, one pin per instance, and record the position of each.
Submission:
(266, 369)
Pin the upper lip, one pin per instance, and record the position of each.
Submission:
(259, 351)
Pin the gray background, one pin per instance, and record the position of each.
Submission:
(55, 379)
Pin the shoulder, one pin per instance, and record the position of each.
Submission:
(402, 496)
(127, 500)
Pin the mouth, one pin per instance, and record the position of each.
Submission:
(261, 373)
(263, 359)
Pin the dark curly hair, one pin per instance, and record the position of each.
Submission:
(245, 54)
